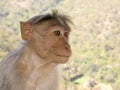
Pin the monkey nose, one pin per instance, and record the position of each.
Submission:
(68, 49)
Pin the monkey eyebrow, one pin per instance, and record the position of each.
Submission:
(66, 29)
(55, 25)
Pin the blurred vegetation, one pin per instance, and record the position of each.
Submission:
(95, 38)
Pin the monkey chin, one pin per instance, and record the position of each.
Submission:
(62, 60)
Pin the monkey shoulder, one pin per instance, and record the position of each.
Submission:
(10, 59)
(7, 69)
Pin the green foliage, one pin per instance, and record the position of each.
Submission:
(80, 80)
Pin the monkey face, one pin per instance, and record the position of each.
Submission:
(49, 40)
(51, 43)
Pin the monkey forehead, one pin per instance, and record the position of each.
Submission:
(60, 19)
(44, 26)
(52, 22)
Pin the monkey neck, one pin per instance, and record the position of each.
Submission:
(34, 70)
(33, 61)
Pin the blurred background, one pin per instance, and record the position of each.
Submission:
(95, 38)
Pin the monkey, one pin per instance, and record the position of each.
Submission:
(34, 64)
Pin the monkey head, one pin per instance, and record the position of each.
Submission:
(48, 36)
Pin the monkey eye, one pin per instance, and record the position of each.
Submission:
(66, 34)
(57, 33)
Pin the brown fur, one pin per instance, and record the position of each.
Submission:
(33, 66)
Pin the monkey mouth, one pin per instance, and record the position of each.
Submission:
(62, 55)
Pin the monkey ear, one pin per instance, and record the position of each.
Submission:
(26, 30)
